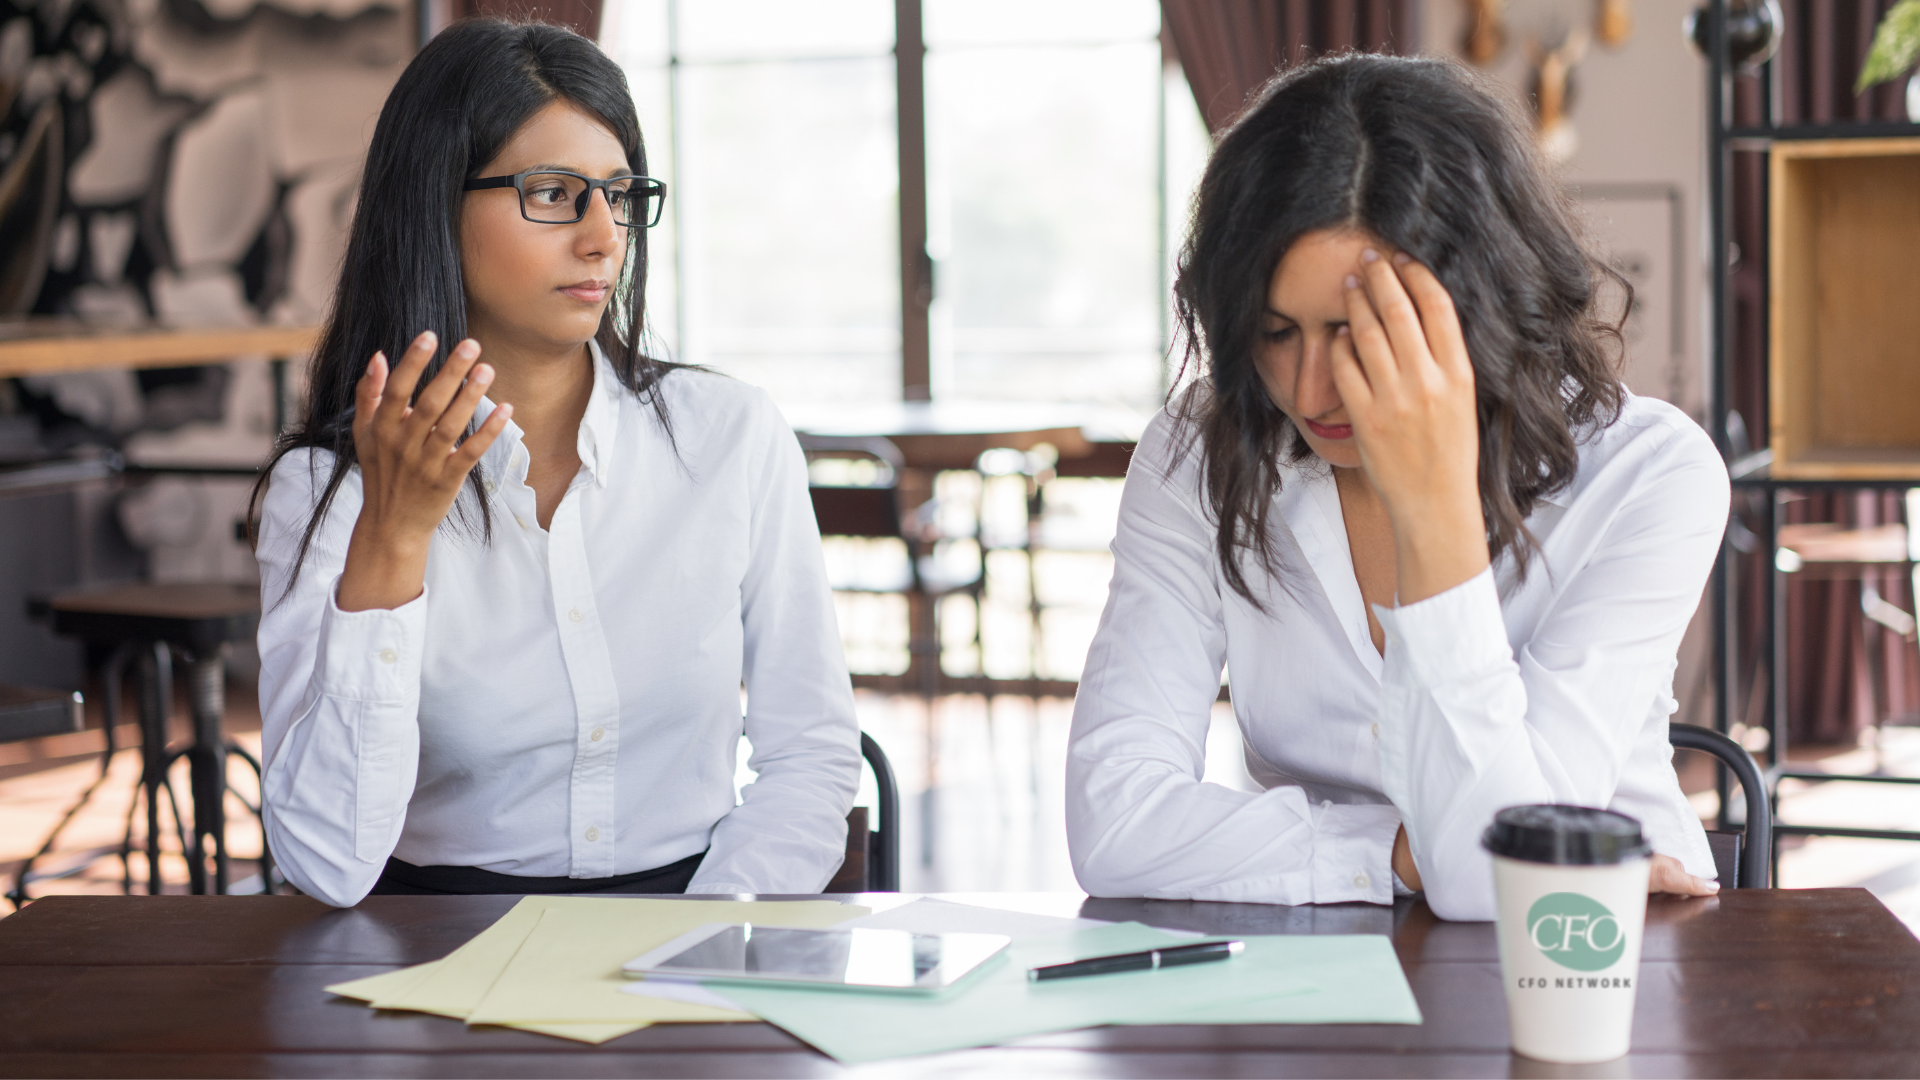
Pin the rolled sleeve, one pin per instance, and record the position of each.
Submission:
(1353, 853)
(789, 833)
(339, 698)
(1458, 634)
(371, 655)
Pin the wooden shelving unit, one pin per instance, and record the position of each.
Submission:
(1841, 240)
(1844, 339)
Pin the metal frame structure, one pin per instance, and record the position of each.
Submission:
(1750, 472)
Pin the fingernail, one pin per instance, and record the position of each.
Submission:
(1369, 255)
(426, 339)
(1352, 282)
(1402, 259)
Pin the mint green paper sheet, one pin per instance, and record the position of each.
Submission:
(1357, 980)
(1272, 982)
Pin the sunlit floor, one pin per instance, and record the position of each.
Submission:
(996, 813)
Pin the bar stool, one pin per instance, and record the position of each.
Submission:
(149, 622)
(1835, 553)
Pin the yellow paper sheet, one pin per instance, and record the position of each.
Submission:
(391, 983)
(568, 968)
(586, 1033)
(465, 975)
(385, 984)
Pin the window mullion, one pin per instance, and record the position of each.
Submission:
(916, 267)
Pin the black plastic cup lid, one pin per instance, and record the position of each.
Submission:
(1565, 836)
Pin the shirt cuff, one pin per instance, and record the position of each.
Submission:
(1353, 852)
(1460, 632)
(371, 655)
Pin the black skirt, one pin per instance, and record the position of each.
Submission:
(406, 879)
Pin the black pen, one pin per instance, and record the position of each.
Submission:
(1152, 960)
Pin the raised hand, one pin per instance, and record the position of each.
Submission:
(1403, 373)
(412, 463)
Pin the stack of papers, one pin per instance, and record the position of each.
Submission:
(552, 965)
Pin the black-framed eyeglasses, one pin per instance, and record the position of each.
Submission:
(560, 198)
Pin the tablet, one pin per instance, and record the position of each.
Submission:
(854, 959)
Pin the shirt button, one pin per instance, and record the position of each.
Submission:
(388, 656)
(592, 834)
(574, 615)
(598, 734)
(1360, 881)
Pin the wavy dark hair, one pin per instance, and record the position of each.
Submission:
(1419, 154)
(457, 104)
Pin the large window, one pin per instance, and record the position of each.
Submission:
(1058, 165)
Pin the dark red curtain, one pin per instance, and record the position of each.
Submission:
(1229, 47)
(583, 16)
(1829, 697)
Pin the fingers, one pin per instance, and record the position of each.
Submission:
(469, 453)
(1369, 339)
(1393, 311)
(452, 422)
(1667, 876)
(397, 397)
(1349, 378)
(1437, 316)
(433, 401)
(366, 395)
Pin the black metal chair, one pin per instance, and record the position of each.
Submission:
(1742, 858)
(28, 712)
(873, 855)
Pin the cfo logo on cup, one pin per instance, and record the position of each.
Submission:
(1576, 931)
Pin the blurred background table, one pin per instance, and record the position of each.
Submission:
(1751, 983)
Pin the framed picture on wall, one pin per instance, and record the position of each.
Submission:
(1639, 227)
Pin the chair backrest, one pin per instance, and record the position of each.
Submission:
(873, 855)
(1747, 857)
(870, 509)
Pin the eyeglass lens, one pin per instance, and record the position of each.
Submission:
(560, 198)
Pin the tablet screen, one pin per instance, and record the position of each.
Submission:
(874, 959)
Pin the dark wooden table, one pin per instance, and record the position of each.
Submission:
(1817, 982)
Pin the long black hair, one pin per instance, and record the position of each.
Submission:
(457, 104)
(1422, 156)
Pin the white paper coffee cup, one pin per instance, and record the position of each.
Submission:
(1570, 887)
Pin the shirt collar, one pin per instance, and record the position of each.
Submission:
(598, 426)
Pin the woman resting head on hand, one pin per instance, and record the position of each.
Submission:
(1445, 555)
(515, 570)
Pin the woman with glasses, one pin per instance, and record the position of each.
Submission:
(515, 570)
(1444, 557)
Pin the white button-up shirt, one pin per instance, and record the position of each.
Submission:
(1498, 692)
(567, 701)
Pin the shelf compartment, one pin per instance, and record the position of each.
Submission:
(1845, 326)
